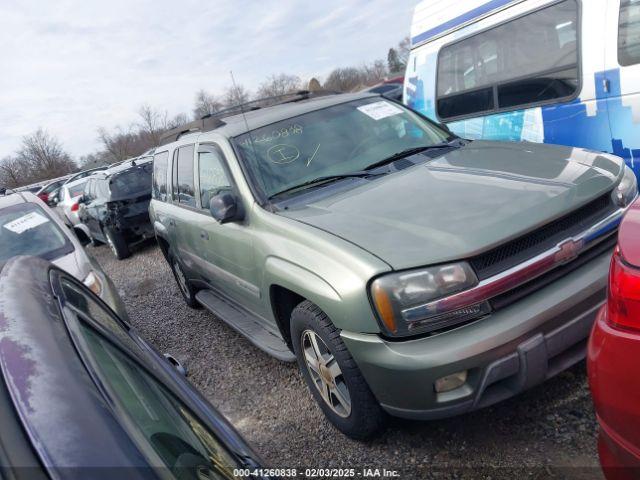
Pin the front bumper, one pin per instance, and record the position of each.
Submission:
(504, 353)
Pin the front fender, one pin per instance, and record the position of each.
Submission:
(308, 285)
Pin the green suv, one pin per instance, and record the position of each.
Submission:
(408, 271)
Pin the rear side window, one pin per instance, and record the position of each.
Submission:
(135, 181)
(88, 189)
(526, 61)
(629, 32)
(183, 189)
(76, 190)
(212, 174)
(160, 162)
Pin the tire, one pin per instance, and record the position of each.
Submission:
(117, 243)
(185, 287)
(365, 417)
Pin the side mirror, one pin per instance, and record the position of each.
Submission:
(182, 370)
(225, 207)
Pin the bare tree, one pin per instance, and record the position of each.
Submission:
(205, 104)
(343, 79)
(93, 160)
(279, 85)
(374, 72)
(12, 173)
(152, 123)
(404, 49)
(177, 120)
(393, 61)
(43, 157)
(236, 95)
(118, 145)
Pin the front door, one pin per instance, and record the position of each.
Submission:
(228, 247)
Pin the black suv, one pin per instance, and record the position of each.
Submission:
(115, 205)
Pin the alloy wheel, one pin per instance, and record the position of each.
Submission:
(325, 373)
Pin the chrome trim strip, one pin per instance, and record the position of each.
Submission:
(562, 253)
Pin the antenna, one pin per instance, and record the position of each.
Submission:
(235, 87)
(244, 117)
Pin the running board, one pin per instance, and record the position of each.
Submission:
(246, 324)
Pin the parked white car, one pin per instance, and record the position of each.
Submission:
(68, 205)
(29, 227)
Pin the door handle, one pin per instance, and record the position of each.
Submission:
(172, 223)
(204, 235)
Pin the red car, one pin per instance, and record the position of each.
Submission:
(614, 357)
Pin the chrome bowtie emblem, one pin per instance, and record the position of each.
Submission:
(568, 250)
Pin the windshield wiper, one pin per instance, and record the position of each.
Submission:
(408, 152)
(324, 179)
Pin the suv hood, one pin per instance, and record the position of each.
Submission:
(461, 203)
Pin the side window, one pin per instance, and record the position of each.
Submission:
(167, 432)
(629, 33)
(87, 190)
(525, 61)
(183, 189)
(212, 174)
(102, 189)
(160, 162)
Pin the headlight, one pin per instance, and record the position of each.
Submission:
(627, 189)
(93, 282)
(401, 299)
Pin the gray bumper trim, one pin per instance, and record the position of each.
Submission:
(535, 360)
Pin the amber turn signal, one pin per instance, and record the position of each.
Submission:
(383, 306)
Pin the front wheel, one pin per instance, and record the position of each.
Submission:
(332, 375)
(117, 243)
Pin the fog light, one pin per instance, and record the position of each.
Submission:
(450, 382)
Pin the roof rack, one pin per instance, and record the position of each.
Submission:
(214, 120)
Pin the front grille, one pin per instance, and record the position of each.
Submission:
(528, 246)
(525, 289)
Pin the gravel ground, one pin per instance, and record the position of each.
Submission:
(549, 431)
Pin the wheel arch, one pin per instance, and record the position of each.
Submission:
(289, 285)
(162, 238)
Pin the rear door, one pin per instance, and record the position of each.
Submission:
(185, 215)
(89, 214)
(622, 79)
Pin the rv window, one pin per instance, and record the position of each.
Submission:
(183, 190)
(629, 33)
(160, 161)
(529, 60)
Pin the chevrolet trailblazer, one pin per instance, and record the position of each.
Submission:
(407, 270)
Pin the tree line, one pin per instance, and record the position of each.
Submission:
(41, 156)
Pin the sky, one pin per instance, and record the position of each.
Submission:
(72, 67)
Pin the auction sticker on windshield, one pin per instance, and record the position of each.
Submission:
(26, 222)
(379, 110)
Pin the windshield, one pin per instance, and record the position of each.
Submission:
(131, 182)
(27, 230)
(340, 139)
